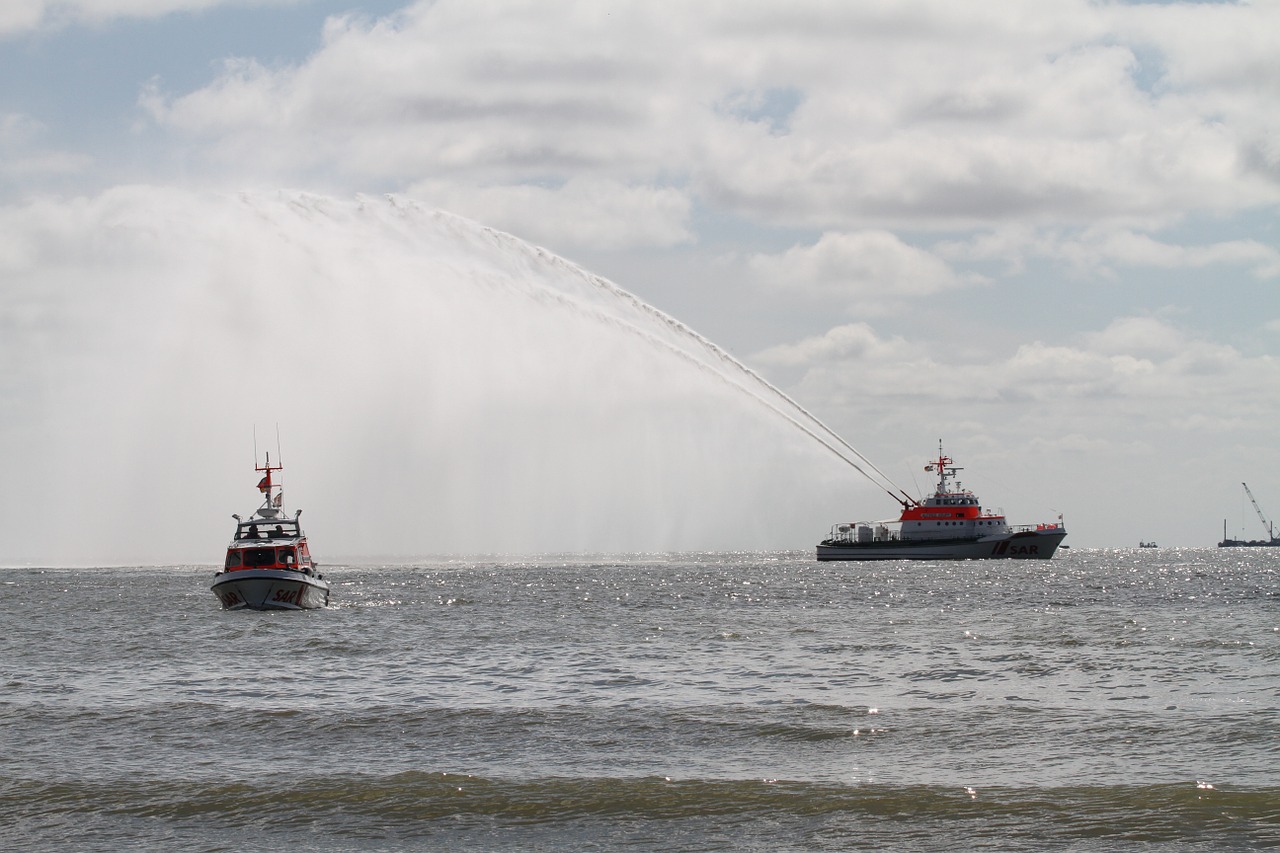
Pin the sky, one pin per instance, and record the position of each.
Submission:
(1044, 234)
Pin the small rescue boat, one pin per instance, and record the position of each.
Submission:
(948, 525)
(268, 564)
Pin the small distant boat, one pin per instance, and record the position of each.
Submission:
(1270, 542)
(1148, 545)
(948, 525)
(268, 564)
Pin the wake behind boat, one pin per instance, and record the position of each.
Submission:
(268, 564)
(948, 525)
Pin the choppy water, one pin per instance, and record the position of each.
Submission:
(1106, 700)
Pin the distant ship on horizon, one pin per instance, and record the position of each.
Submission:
(1270, 542)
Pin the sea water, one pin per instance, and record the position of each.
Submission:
(1101, 701)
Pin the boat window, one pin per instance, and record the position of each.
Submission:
(285, 530)
(286, 557)
(260, 557)
(233, 559)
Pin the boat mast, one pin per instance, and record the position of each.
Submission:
(265, 485)
(944, 468)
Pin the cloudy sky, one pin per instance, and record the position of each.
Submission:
(1045, 233)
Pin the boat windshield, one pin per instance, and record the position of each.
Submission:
(267, 530)
(258, 558)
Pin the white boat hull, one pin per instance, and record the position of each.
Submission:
(1024, 545)
(270, 589)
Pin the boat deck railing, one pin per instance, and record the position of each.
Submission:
(1035, 528)
(861, 533)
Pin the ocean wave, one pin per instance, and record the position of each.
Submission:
(419, 804)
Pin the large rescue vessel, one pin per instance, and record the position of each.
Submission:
(948, 525)
(268, 564)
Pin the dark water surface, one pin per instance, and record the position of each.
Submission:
(1105, 700)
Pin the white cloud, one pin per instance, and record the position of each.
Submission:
(18, 16)
(1015, 122)
(1138, 335)
(26, 166)
(855, 342)
(22, 156)
(867, 265)
(1208, 48)
(1140, 250)
(16, 128)
(1102, 251)
(1133, 359)
(21, 15)
(445, 90)
(832, 117)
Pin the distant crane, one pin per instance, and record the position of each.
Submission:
(1258, 510)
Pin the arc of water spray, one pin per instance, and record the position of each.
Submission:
(815, 428)
(756, 378)
(828, 438)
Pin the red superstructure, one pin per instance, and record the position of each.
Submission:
(950, 510)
